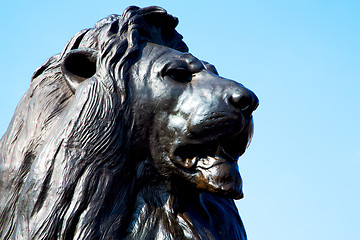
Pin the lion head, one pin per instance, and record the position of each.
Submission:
(125, 134)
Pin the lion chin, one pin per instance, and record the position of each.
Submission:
(126, 135)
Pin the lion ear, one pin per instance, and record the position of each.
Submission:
(78, 65)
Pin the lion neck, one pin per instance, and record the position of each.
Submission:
(162, 214)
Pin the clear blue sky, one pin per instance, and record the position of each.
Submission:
(302, 58)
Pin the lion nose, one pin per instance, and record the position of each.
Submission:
(244, 100)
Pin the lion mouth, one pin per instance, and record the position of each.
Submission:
(212, 166)
(205, 155)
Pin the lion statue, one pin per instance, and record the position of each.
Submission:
(126, 135)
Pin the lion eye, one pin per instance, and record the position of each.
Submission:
(179, 74)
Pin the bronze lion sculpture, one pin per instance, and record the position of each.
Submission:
(126, 135)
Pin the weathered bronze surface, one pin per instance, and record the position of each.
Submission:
(126, 135)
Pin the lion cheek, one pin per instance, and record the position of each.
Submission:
(223, 180)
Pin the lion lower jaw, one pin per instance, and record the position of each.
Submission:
(220, 176)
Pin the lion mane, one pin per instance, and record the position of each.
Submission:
(64, 160)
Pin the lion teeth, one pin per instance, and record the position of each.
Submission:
(218, 150)
(190, 162)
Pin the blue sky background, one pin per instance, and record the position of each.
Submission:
(302, 58)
